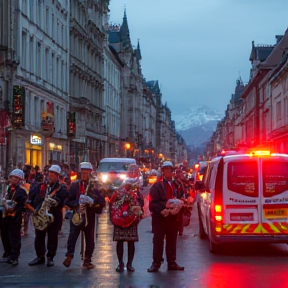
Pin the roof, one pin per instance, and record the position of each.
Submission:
(276, 55)
(114, 37)
(119, 159)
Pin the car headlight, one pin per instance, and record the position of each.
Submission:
(104, 178)
(122, 176)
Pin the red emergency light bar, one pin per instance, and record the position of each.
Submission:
(260, 153)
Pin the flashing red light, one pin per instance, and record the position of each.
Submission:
(260, 153)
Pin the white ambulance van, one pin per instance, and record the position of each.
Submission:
(244, 198)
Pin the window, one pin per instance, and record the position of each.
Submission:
(242, 178)
(47, 20)
(31, 54)
(24, 49)
(275, 178)
(53, 69)
(38, 59)
(278, 111)
(52, 26)
(47, 65)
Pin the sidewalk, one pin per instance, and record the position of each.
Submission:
(105, 261)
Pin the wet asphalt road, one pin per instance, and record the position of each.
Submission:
(249, 265)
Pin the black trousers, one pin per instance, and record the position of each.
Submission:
(89, 234)
(164, 227)
(11, 237)
(52, 237)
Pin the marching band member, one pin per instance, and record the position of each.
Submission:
(55, 193)
(83, 196)
(13, 205)
(164, 221)
(128, 203)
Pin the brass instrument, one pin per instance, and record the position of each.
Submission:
(80, 214)
(8, 206)
(42, 218)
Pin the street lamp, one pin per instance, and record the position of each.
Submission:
(127, 147)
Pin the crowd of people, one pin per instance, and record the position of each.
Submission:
(47, 196)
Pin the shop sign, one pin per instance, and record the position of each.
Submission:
(18, 115)
(47, 123)
(35, 140)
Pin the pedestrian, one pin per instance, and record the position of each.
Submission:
(52, 194)
(13, 203)
(164, 223)
(85, 201)
(126, 210)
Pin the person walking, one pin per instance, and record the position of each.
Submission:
(164, 223)
(54, 194)
(86, 201)
(10, 224)
(126, 208)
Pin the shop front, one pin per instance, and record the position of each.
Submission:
(33, 151)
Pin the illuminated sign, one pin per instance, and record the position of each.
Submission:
(35, 140)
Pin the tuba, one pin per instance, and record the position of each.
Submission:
(80, 214)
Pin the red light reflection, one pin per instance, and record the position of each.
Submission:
(241, 275)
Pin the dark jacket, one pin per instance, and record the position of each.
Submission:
(157, 197)
(37, 196)
(18, 195)
(73, 199)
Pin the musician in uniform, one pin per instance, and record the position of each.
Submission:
(86, 201)
(129, 196)
(164, 224)
(55, 194)
(13, 205)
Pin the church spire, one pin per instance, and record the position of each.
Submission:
(124, 32)
(138, 52)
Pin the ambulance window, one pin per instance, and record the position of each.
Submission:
(275, 178)
(213, 177)
(242, 178)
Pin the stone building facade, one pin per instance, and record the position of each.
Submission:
(72, 89)
(261, 115)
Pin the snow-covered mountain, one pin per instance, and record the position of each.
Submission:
(194, 117)
(197, 125)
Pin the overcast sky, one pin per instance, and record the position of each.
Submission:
(197, 49)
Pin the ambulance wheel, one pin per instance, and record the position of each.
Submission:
(213, 247)
(202, 233)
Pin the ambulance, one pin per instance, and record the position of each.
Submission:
(244, 198)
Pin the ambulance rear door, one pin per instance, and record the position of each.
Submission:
(241, 198)
(275, 195)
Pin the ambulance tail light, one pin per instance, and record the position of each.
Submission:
(218, 213)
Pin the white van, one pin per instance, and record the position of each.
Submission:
(244, 198)
(119, 165)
